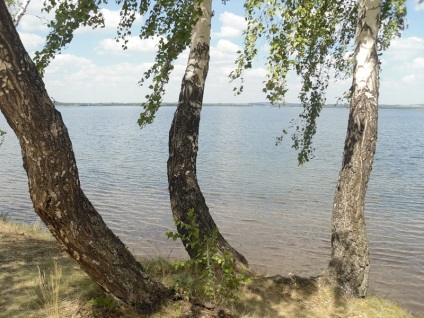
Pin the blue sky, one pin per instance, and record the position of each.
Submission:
(95, 69)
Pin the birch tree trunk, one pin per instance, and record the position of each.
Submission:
(17, 17)
(350, 261)
(53, 180)
(185, 193)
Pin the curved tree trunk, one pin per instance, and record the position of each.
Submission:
(350, 255)
(185, 193)
(53, 180)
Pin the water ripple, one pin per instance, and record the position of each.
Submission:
(278, 214)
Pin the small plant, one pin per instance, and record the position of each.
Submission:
(4, 217)
(213, 270)
(2, 133)
(104, 303)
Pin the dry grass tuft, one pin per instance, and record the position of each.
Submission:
(48, 291)
(37, 278)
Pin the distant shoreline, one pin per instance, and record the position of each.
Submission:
(259, 104)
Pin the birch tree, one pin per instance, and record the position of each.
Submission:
(312, 38)
(184, 188)
(178, 24)
(350, 263)
(54, 184)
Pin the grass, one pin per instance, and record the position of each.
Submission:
(37, 279)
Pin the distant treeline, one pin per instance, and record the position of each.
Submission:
(381, 106)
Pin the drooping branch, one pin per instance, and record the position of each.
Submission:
(173, 24)
(312, 39)
(308, 38)
(69, 16)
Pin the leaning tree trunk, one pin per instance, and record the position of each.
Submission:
(53, 180)
(350, 255)
(185, 193)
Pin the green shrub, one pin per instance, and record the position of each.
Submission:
(2, 133)
(212, 270)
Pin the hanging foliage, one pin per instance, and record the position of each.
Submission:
(171, 21)
(313, 39)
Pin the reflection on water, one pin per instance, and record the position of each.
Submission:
(273, 211)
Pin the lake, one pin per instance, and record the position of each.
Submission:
(276, 213)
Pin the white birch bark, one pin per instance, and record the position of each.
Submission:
(184, 190)
(198, 65)
(350, 253)
(17, 17)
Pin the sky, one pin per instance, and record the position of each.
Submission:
(94, 68)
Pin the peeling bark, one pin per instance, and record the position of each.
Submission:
(53, 180)
(350, 261)
(185, 193)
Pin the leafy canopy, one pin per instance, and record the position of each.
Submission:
(311, 38)
(170, 20)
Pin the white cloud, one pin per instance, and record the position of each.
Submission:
(227, 46)
(35, 6)
(256, 72)
(404, 60)
(405, 48)
(228, 32)
(225, 52)
(409, 78)
(419, 6)
(418, 62)
(68, 63)
(183, 58)
(112, 19)
(402, 76)
(75, 79)
(135, 45)
(31, 23)
(31, 41)
(405, 89)
(34, 20)
(113, 79)
(232, 25)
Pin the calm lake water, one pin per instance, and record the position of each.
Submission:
(273, 211)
